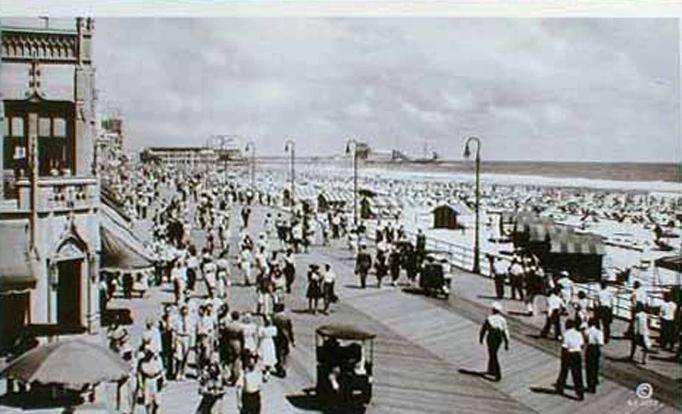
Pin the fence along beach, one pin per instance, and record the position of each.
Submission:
(624, 211)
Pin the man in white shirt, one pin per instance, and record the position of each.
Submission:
(516, 273)
(668, 311)
(571, 359)
(640, 332)
(495, 331)
(555, 306)
(499, 273)
(249, 386)
(595, 341)
(184, 332)
(637, 298)
(604, 310)
(328, 281)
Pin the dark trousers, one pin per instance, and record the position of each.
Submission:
(251, 402)
(363, 279)
(282, 352)
(667, 334)
(516, 286)
(494, 342)
(553, 320)
(592, 356)
(191, 279)
(638, 340)
(289, 276)
(167, 352)
(605, 315)
(499, 286)
(571, 361)
(395, 273)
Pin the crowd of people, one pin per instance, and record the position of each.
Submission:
(586, 322)
(198, 336)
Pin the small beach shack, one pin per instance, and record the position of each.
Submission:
(448, 216)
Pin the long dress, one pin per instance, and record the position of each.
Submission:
(267, 345)
(314, 290)
(250, 330)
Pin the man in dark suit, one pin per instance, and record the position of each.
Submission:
(363, 263)
(420, 247)
(283, 340)
(232, 337)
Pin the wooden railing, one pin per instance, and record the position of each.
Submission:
(462, 257)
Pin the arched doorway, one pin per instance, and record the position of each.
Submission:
(69, 274)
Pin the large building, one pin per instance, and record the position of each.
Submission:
(49, 211)
(110, 142)
(180, 156)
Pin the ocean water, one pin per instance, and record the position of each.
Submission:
(591, 170)
(620, 171)
(638, 177)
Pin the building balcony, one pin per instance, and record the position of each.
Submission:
(59, 194)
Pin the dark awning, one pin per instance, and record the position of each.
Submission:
(673, 263)
(344, 332)
(121, 250)
(16, 270)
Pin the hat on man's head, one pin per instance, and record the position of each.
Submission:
(497, 306)
(120, 334)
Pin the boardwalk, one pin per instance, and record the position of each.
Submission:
(422, 344)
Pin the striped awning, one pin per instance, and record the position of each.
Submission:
(541, 231)
(577, 244)
(306, 192)
(383, 201)
(337, 196)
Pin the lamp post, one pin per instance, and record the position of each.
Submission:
(467, 154)
(251, 146)
(220, 143)
(289, 146)
(352, 142)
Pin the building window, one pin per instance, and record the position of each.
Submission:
(17, 129)
(44, 127)
(59, 125)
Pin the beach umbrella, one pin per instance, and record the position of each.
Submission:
(74, 362)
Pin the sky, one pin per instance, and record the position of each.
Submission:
(532, 89)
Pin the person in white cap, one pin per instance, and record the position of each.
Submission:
(495, 331)
(566, 285)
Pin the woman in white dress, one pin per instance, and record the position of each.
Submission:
(210, 270)
(266, 335)
(250, 333)
(245, 258)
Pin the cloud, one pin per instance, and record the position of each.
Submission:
(542, 89)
